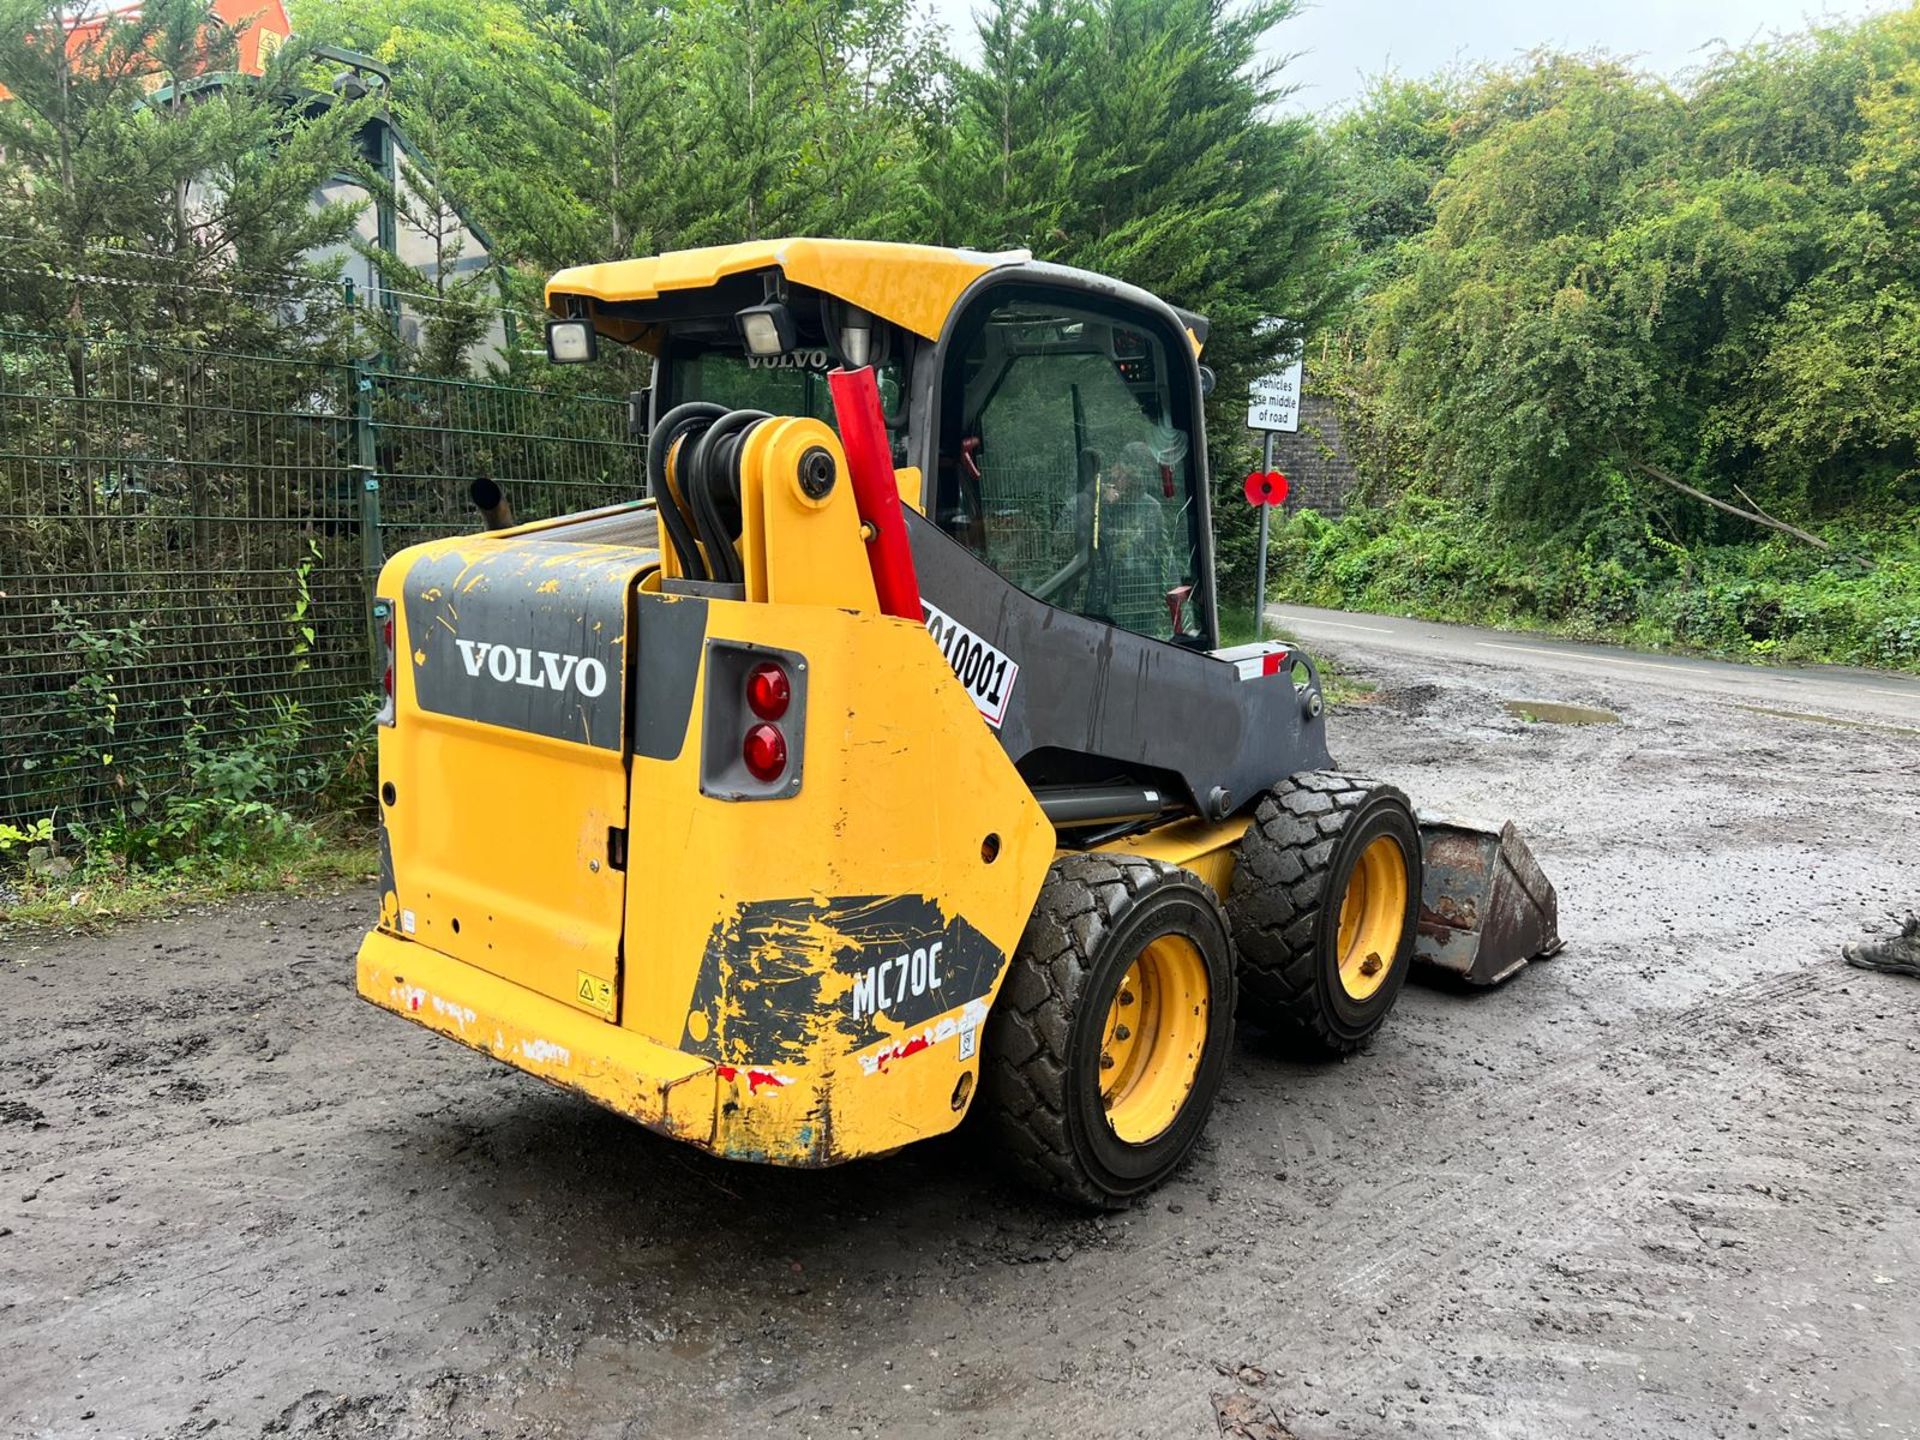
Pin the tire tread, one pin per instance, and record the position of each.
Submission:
(1025, 1072)
(1279, 887)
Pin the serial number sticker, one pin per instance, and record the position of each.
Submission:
(988, 674)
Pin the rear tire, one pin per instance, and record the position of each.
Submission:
(1324, 903)
(1109, 1041)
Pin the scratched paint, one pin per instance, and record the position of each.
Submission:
(781, 977)
(459, 1014)
(414, 999)
(755, 1078)
(963, 1025)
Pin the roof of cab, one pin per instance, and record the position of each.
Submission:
(914, 286)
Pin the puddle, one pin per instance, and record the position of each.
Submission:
(1828, 720)
(1552, 712)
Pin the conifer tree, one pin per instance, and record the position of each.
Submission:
(134, 155)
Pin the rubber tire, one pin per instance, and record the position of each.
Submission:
(1041, 1071)
(1284, 903)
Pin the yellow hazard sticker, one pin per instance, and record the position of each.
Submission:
(592, 991)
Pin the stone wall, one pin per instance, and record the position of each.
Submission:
(1319, 475)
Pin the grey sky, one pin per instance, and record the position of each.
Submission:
(1341, 41)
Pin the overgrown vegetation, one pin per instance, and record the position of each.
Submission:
(266, 806)
(336, 853)
(1614, 579)
(1638, 359)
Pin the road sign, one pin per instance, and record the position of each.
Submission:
(1273, 401)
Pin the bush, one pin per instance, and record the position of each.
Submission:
(1610, 576)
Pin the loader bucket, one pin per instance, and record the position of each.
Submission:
(1485, 907)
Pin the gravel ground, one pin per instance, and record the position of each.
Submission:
(1663, 1185)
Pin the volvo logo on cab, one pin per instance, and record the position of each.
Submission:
(879, 988)
(536, 669)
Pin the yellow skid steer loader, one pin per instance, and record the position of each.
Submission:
(880, 762)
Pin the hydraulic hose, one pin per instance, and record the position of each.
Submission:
(700, 480)
(675, 423)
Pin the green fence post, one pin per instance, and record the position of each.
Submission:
(366, 469)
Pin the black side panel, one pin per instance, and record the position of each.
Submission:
(762, 990)
(669, 631)
(527, 637)
(1094, 688)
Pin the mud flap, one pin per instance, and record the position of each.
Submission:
(1486, 908)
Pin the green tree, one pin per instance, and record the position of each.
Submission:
(1139, 138)
(1389, 151)
(197, 195)
(441, 314)
(488, 101)
(795, 117)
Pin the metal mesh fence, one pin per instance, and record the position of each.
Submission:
(551, 453)
(186, 538)
(1042, 513)
(1034, 516)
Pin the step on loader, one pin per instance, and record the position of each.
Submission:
(879, 762)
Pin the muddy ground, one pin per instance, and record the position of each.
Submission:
(1664, 1185)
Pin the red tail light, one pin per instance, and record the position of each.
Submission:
(383, 614)
(765, 753)
(769, 691)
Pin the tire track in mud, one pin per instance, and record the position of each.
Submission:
(1594, 1235)
(1601, 1150)
(1637, 1193)
(1610, 1237)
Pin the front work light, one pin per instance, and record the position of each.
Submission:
(571, 342)
(767, 330)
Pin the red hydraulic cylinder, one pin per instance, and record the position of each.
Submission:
(863, 435)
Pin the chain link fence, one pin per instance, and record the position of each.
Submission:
(187, 541)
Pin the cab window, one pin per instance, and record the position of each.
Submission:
(1066, 459)
(791, 384)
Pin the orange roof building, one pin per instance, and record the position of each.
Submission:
(267, 27)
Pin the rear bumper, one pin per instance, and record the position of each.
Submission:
(662, 1088)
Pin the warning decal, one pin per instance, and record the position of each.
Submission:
(593, 992)
(987, 673)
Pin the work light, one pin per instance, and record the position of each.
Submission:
(571, 342)
(767, 330)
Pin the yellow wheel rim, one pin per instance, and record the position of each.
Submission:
(1373, 913)
(1156, 1033)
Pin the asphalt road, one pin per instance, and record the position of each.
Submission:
(1854, 694)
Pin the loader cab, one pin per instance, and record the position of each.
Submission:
(1055, 426)
(1067, 446)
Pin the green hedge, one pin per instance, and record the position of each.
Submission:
(1602, 578)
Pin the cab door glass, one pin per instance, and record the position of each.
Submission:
(1066, 463)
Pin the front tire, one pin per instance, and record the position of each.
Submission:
(1109, 1042)
(1325, 902)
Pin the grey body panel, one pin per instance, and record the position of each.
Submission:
(668, 633)
(526, 637)
(1094, 688)
(635, 523)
